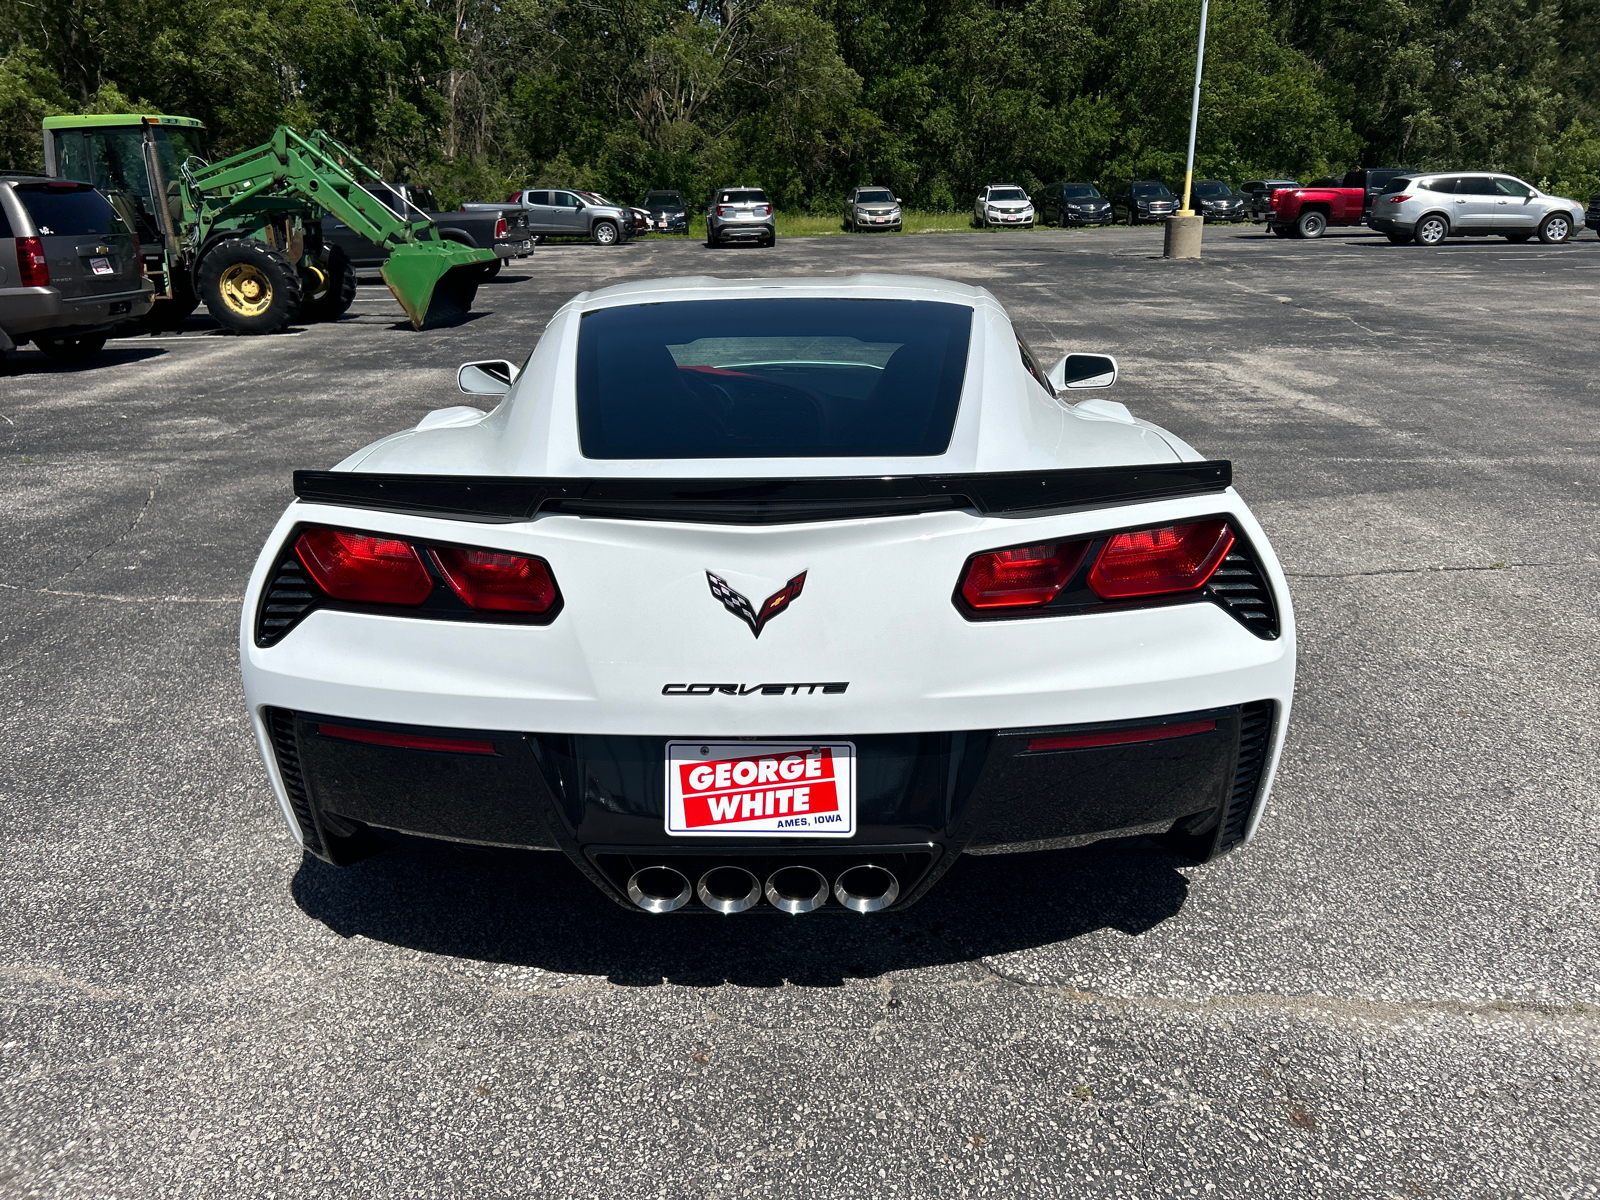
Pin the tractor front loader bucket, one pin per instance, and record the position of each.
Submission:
(435, 282)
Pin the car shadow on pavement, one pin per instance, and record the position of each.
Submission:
(24, 362)
(535, 909)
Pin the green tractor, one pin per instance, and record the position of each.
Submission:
(244, 235)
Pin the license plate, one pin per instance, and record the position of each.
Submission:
(771, 789)
(100, 266)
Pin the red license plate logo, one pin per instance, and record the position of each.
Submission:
(761, 788)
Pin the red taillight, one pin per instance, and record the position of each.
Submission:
(724, 210)
(764, 211)
(1153, 562)
(497, 582)
(1118, 737)
(1398, 199)
(1023, 577)
(368, 570)
(32, 270)
(500, 227)
(406, 741)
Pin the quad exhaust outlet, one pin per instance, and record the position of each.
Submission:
(794, 888)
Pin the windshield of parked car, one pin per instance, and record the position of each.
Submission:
(1209, 190)
(742, 196)
(1006, 194)
(775, 378)
(1150, 191)
(875, 196)
(663, 200)
(1080, 191)
(69, 209)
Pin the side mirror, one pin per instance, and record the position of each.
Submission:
(493, 377)
(1084, 371)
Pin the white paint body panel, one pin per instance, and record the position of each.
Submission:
(877, 608)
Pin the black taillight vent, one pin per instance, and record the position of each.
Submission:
(280, 725)
(1255, 734)
(289, 596)
(1241, 588)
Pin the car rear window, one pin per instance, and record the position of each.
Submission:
(69, 210)
(742, 196)
(777, 378)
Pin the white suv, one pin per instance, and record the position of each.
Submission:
(1427, 209)
(1003, 204)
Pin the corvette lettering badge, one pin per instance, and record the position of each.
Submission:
(745, 611)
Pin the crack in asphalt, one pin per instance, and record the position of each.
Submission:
(1494, 566)
(12, 587)
(137, 518)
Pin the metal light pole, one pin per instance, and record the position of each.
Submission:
(1194, 112)
(1183, 228)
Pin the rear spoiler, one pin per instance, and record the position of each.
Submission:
(761, 501)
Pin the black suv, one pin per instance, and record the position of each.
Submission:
(1067, 204)
(1215, 200)
(1143, 200)
(668, 213)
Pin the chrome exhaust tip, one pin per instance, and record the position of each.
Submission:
(729, 889)
(866, 888)
(797, 889)
(659, 889)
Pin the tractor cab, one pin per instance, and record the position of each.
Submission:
(133, 159)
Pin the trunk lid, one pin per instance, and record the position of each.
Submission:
(89, 250)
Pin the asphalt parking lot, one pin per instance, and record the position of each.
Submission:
(1393, 992)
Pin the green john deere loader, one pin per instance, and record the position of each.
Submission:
(244, 235)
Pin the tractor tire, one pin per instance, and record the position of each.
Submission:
(71, 350)
(338, 291)
(249, 286)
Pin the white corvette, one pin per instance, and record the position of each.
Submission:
(772, 595)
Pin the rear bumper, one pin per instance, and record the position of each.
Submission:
(923, 798)
(514, 249)
(27, 311)
(741, 231)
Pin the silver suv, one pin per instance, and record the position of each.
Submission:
(1428, 208)
(69, 268)
(740, 214)
(872, 208)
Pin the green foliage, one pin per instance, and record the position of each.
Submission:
(808, 98)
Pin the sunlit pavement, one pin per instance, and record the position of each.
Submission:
(1392, 992)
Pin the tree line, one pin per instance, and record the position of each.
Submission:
(934, 98)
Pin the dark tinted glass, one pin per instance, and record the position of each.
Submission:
(1443, 186)
(537, 197)
(742, 196)
(1007, 194)
(663, 200)
(773, 378)
(5, 225)
(875, 196)
(1513, 187)
(1151, 191)
(70, 211)
(1397, 184)
(1477, 185)
(423, 198)
(1080, 191)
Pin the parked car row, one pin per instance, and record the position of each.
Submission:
(1425, 207)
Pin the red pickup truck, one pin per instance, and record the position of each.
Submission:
(1307, 212)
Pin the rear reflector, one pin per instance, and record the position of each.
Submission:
(497, 582)
(1156, 562)
(406, 741)
(367, 570)
(1118, 737)
(1023, 577)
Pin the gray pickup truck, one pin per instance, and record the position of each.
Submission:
(562, 212)
(502, 228)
